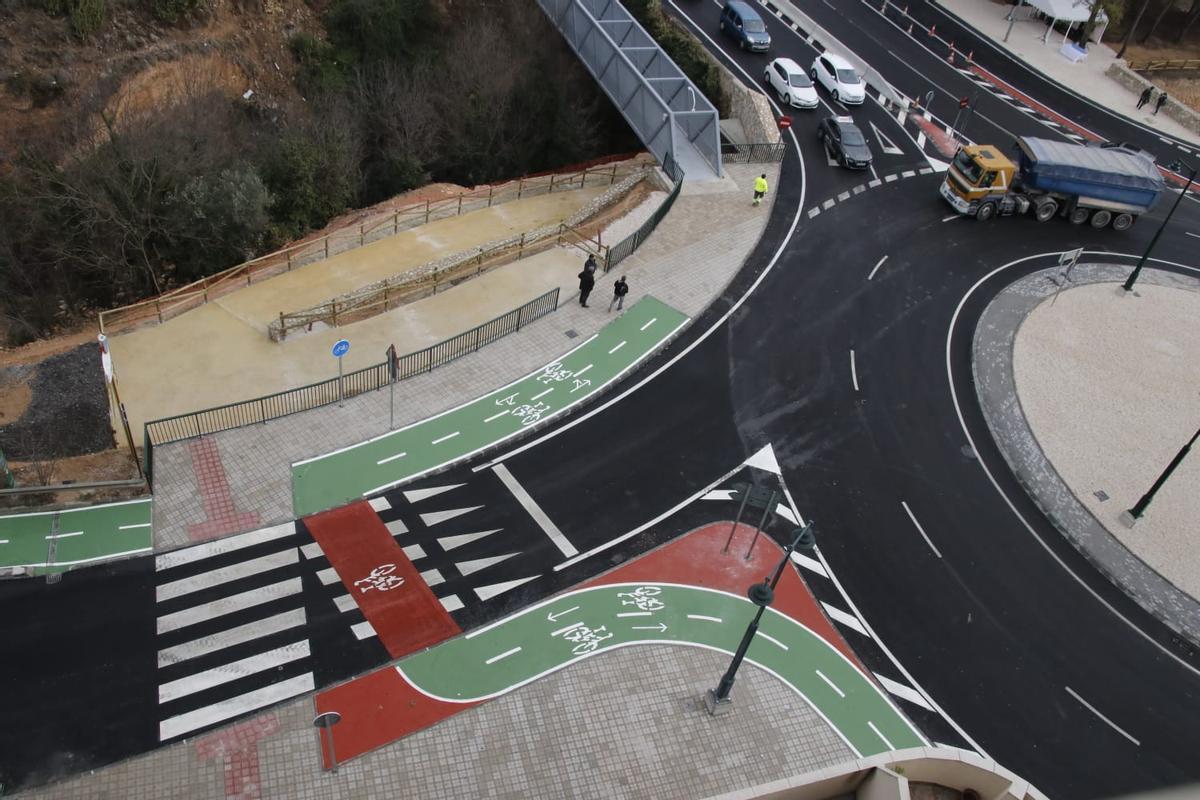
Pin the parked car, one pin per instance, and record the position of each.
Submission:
(839, 79)
(742, 22)
(790, 83)
(844, 142)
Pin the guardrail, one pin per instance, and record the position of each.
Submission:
(305, 398)
(626, 247)
(753, 153)
(1155, 64)
(176, 301)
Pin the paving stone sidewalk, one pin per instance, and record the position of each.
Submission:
(624, 724)
(686, 263)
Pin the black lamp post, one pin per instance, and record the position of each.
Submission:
(717, 701)
(1133, 276)
(1140, 508)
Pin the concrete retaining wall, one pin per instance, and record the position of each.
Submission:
(751, 109)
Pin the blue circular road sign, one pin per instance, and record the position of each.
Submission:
(341, 347)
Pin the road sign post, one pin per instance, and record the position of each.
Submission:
(324, 722)
(340, 348)
(785, 122)
(391, 357)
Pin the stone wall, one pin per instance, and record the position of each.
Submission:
(1136, 83)
(751, 109)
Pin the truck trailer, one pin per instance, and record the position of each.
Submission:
(1081, 183)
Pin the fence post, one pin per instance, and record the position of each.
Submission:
(490, 190)
(613, 177)
(158, 306)
(289, 269)
(551, 184)
(477, 329)
(282, 329)
(360, 234)
(459, 213)
(520, 314)
(521, 247)
(385, 298)
(334, 304)
(327, 247)
(583, 179)
(426, 212)
(520, 186)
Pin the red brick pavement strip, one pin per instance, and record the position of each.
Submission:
(1045, 111)
(946, 144)
(381, 707)
(222, 516)
(238, 748)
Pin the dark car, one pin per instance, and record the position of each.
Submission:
(845, 142)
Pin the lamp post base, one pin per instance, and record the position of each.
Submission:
(717, 707)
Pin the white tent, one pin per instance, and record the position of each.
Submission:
(1071, 12)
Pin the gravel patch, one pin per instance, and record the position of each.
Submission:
(68, 410)
(628, 224)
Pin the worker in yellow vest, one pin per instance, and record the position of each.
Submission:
(760, 188)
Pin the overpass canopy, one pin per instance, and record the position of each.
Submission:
(1067, 10)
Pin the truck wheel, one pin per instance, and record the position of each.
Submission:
(1101, 219)
(1079, 216)
(985, 211)
(1045, 210)
(1123, 222)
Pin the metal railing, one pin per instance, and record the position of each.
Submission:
(174, 302)
(305, 398)
(626, 247)
(1155, 64)
(753, 153)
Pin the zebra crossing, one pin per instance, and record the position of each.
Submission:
(231, 629)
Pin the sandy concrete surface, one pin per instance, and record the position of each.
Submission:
(1110, 385)
(220, 353)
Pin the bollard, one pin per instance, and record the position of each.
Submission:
(910, 29)
(933, 30)
(971, 56)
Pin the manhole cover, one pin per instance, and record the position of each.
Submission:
(571, 334)
(1101, 495)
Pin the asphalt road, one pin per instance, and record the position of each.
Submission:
(991, 621)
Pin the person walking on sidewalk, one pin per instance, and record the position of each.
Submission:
(586, 282)
(1162, 101)
(1147, 93)
(620, 289)
(760, 188)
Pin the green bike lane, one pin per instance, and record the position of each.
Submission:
(385, 461)
(551, 635)
(54, 541)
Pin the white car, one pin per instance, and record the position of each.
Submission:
(790, 83)
(839, 79)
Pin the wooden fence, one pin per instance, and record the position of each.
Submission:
(1157, 64)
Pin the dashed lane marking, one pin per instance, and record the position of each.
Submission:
(847, 619)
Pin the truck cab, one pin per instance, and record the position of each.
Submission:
(979, 180)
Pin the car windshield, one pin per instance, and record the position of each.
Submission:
(848, 76)
(799, 79)
(852, 136)
(755, 26)
(969, 169)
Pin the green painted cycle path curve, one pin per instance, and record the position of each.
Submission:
(55, 541)
(554, 634)
(401, 455)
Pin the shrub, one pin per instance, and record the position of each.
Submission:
(320, 68)
(308, 181)
(171, 11)
(86, 16)
(218, 220)
(377, 30)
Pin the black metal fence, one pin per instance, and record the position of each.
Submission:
(305, 398)
(752, 153)
(625, 248)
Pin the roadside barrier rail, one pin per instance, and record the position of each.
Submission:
(626, 247)
(752, 152)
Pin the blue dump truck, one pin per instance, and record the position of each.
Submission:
(1084, 184)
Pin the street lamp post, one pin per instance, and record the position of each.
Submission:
(1140, 508)
(717, 701)
(1133, 276)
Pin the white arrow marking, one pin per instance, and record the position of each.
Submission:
(554, 617)
(417, 495)
(765, 459)
(660, 627)
(719, 494)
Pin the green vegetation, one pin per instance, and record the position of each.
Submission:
(684, 49)
(174, 10)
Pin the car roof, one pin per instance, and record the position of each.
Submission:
(837, 61)
(745, 9)
(843, 122)
(789, 65)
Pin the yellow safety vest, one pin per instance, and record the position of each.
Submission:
(760, 184)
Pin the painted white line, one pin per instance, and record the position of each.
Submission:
(105, 557)
(227, 605)
(198, 552)
(810, 564)
(505, 654)
(363, 630)
(432, 577)
(540, 395)
(828, 204)
(380, 503)
(647, 325)
(312, 550)
(65, 535)
(451, 602)
(215, 577)
(1093, 709)
(900, 690)
(615, 349)
(636, 614)
(445, 438)
(878, 733)
(812, 212)
(225, 673)
(702, 617)
(832, 685)
(396, 527)
(496, 416)
(236, 706)
(131, 527)
(890, 178)
(772, 640)
(950, 218)
(877, 266)
(874, 184)
(924, 535)
(843, 197)
(413, 552)
(328, 576)
(232, 637)
(389, 459)
(719, 494)
(345, 603)
(535, 511)
(589, 366)
(853, 371)
(3, 541)
(908, 173)
(1193, 235)
(844, 617)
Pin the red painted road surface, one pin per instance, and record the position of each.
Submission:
(382, 707)
(401, 608)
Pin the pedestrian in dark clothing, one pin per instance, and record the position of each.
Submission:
(586, 282)
(1147, 93)
(1162, 101)
(590, 265)
(620, 289)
